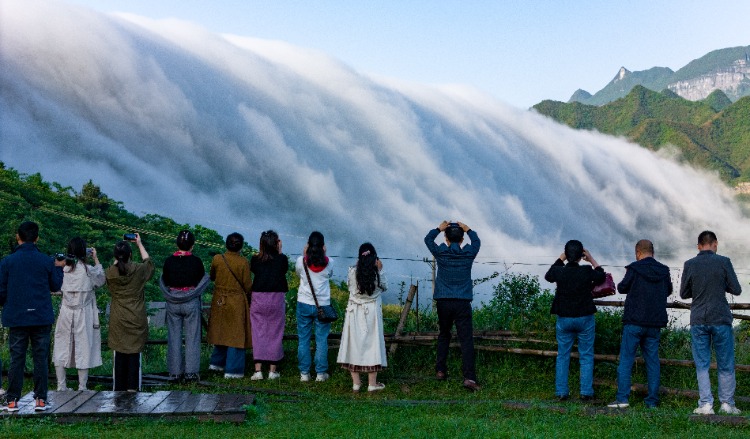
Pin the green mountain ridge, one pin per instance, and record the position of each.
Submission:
(713, 133)
(659, 78)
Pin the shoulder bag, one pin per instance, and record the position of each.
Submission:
(242, 288)
(326, 313)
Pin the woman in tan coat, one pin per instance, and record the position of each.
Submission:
(229, 324)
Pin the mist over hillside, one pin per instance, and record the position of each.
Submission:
(244, 134)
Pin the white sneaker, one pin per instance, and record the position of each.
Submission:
(257, 376)
(729, 409)
(705, 409)
(215, 368)
(233, 375)
(322, 377)
(273, 375)
(304, 377)
(618, 405)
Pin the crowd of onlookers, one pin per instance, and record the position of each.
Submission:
(248, 310)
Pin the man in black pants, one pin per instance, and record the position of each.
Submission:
(454, 292)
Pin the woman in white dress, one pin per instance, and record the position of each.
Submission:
(362, 341)
(78, 341)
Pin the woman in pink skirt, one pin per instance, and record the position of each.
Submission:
(268, 305)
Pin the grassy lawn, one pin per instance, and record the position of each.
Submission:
(516, 401)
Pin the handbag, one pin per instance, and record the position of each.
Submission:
(326, 313)
(606, 288)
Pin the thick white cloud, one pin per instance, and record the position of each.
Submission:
(252, 134)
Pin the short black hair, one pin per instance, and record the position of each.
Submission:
(707, 237)
(235, 241)
(28, 231)
(454, 234)
(573, 250)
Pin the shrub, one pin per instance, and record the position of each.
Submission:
(518, 304)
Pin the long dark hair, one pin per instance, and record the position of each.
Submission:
(123, 252)
(315, 254)
(76, 249)
(269, 245)
(368, 277)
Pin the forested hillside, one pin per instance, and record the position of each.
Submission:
(712, 133)
(63, 213)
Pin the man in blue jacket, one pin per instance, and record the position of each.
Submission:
(706, 278)
(454, 291)
(26, 279)
(647, 284)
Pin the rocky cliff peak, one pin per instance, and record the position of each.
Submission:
(622, 74)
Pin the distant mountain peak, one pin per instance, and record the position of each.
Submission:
(622, 74)
(723, 69)
(580, 95)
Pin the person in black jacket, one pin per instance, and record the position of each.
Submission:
(647, 284)
(574, 306)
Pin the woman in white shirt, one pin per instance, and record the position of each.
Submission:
(315, 264)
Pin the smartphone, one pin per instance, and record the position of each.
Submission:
(128, 237)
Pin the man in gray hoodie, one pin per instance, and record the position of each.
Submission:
(706, 278)
(647, 284)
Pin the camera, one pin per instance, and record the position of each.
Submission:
(128, 237)
(60, 256)
(89, 251)
(454, 225)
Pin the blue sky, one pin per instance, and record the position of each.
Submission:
(520, 52)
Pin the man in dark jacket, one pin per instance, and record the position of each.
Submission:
(454, 291)
(574, 306)
(26, 278)
(647, 284)
(706, 278)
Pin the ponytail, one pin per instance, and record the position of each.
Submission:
(123, 252)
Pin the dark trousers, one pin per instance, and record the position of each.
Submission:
(18, 343)
(456, 311)
(127, 371)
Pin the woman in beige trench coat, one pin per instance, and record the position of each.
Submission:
(229, 323)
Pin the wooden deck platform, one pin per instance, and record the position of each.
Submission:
(75, 406)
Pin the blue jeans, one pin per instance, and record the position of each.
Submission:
(722, 338)
(648, 339)
(231, 359)
(185, 316)
(307, 315)
(568, 329)
(18, 343)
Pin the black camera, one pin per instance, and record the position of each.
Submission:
(454, 225)
(128, 237)
(60, 256)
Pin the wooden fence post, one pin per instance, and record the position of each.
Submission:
(404, 313)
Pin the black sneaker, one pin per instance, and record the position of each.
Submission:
(192, 378)
(587, 398)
